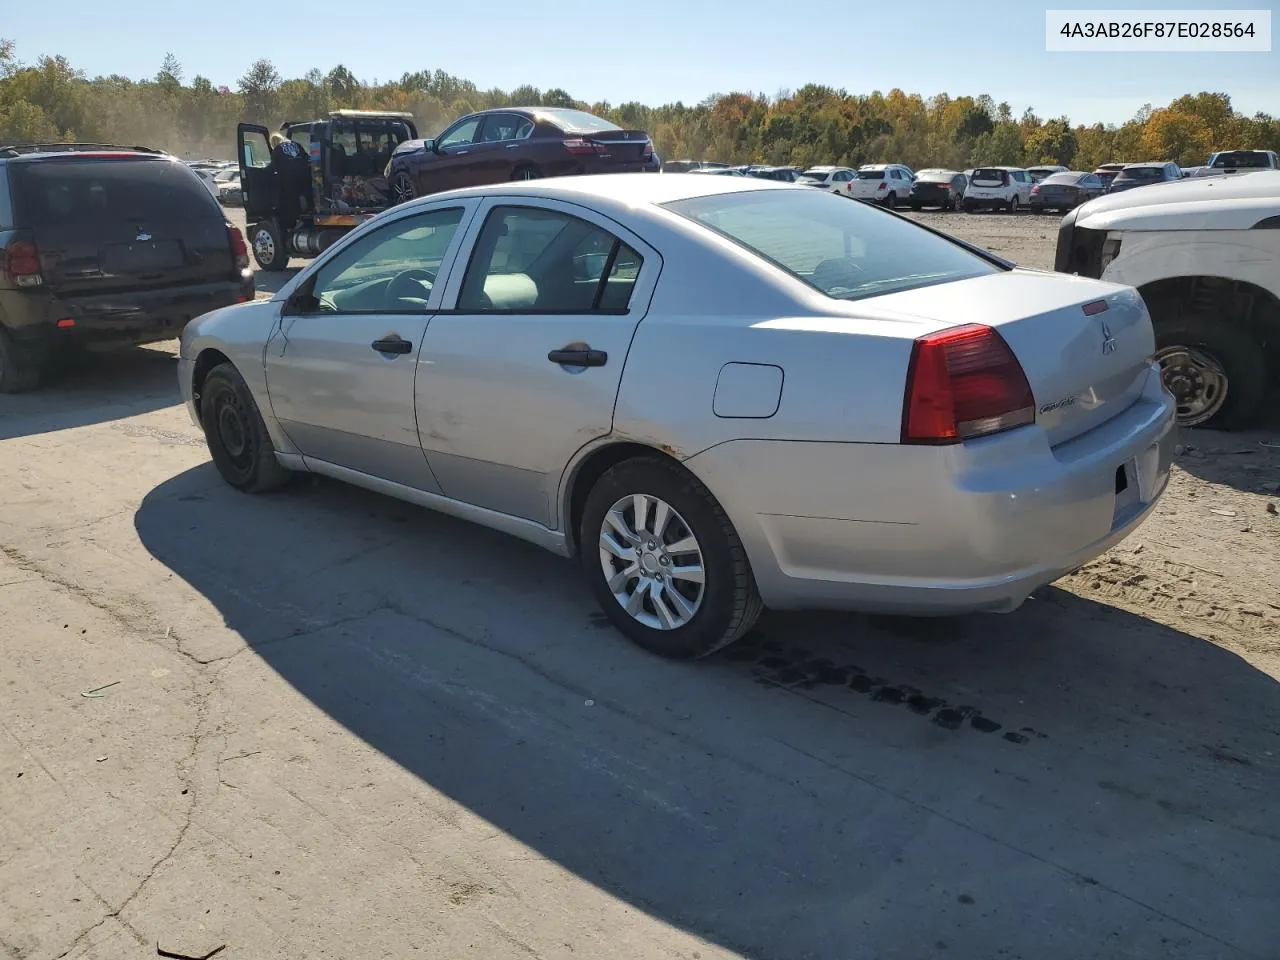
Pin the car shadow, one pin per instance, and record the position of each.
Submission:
(94, 388)
(1026, 786)
(1248, 460)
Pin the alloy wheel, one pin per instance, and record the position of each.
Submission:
(652, 562)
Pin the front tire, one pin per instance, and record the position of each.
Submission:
(664, 562)
(402, 188)
(238, 440)
(1216, 371)
(270, 246)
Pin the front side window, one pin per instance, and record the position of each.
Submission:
(388, 270)
(846, 250)
(531, 260)
(461, 134)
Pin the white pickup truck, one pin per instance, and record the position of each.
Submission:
(1205, 255)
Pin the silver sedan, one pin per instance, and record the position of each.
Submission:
(719, 393)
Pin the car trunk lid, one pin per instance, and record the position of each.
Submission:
(105, 224)
(620, 146)
(1085, 346)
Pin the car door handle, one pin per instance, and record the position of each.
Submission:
(392, 345)
(579, 358)
(512, 146)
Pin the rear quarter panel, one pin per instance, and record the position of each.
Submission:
(843, 376)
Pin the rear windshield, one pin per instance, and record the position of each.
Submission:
(1244, 159)
(816, 174)
(1141, 173)
(78, 192)
(847, 250)
(934, 177)
(579, 121)
(990, 175)
(870, 174)
(1064, 178)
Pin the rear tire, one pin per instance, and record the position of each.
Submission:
(705, 616)
(891, 201)
(237, 437)
(1215, 369)
(22, 368)
(915, 207)
(270, 246)
(526, 172)
(1013, 205)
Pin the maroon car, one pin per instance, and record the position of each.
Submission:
(517, 143)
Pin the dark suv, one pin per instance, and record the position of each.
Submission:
(104, 245)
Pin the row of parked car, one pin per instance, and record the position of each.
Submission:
(1037, 188)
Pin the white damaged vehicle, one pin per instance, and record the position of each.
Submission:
(1205, 255)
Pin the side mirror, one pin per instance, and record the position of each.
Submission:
(302, 301)
(429, 146)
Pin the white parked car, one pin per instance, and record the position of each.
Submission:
(1042, 171)
(886, 183)
(1205, 254)
(998, 188)
(833, 179)
(719, 393)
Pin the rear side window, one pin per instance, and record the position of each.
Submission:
(846, 250)
(6, 206)
(532, 260)
(83, 192)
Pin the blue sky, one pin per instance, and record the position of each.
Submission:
(655, 51)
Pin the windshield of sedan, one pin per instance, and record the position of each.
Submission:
(579, 121)
(845, 249)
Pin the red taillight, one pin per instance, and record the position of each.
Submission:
(239, 249)
(20, 261)
(1036, 188)
(964, 383)
(577, 145)
(882, 186)
(647, 152)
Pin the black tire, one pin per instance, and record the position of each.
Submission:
(1234, 349)
(1013, 205)
(238, 440)
(891, 201)
(22, 368)
(526, 172)
(270, 246)
(402, 188)
(968, 207)
(915, 207)
(730, 603)
(1037, 210)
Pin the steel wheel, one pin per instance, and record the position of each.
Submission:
(652, 562)
(1197, 381)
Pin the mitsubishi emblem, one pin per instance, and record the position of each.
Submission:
(1108, 341)
(143, 236)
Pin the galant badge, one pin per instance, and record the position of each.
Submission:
(1108, 341)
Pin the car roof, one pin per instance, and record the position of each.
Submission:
(607, 189)
(1147, 163)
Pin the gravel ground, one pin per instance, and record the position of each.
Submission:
(324, 724)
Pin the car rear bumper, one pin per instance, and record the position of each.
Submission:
(40, 318)
(986, 202)
(886, 528)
